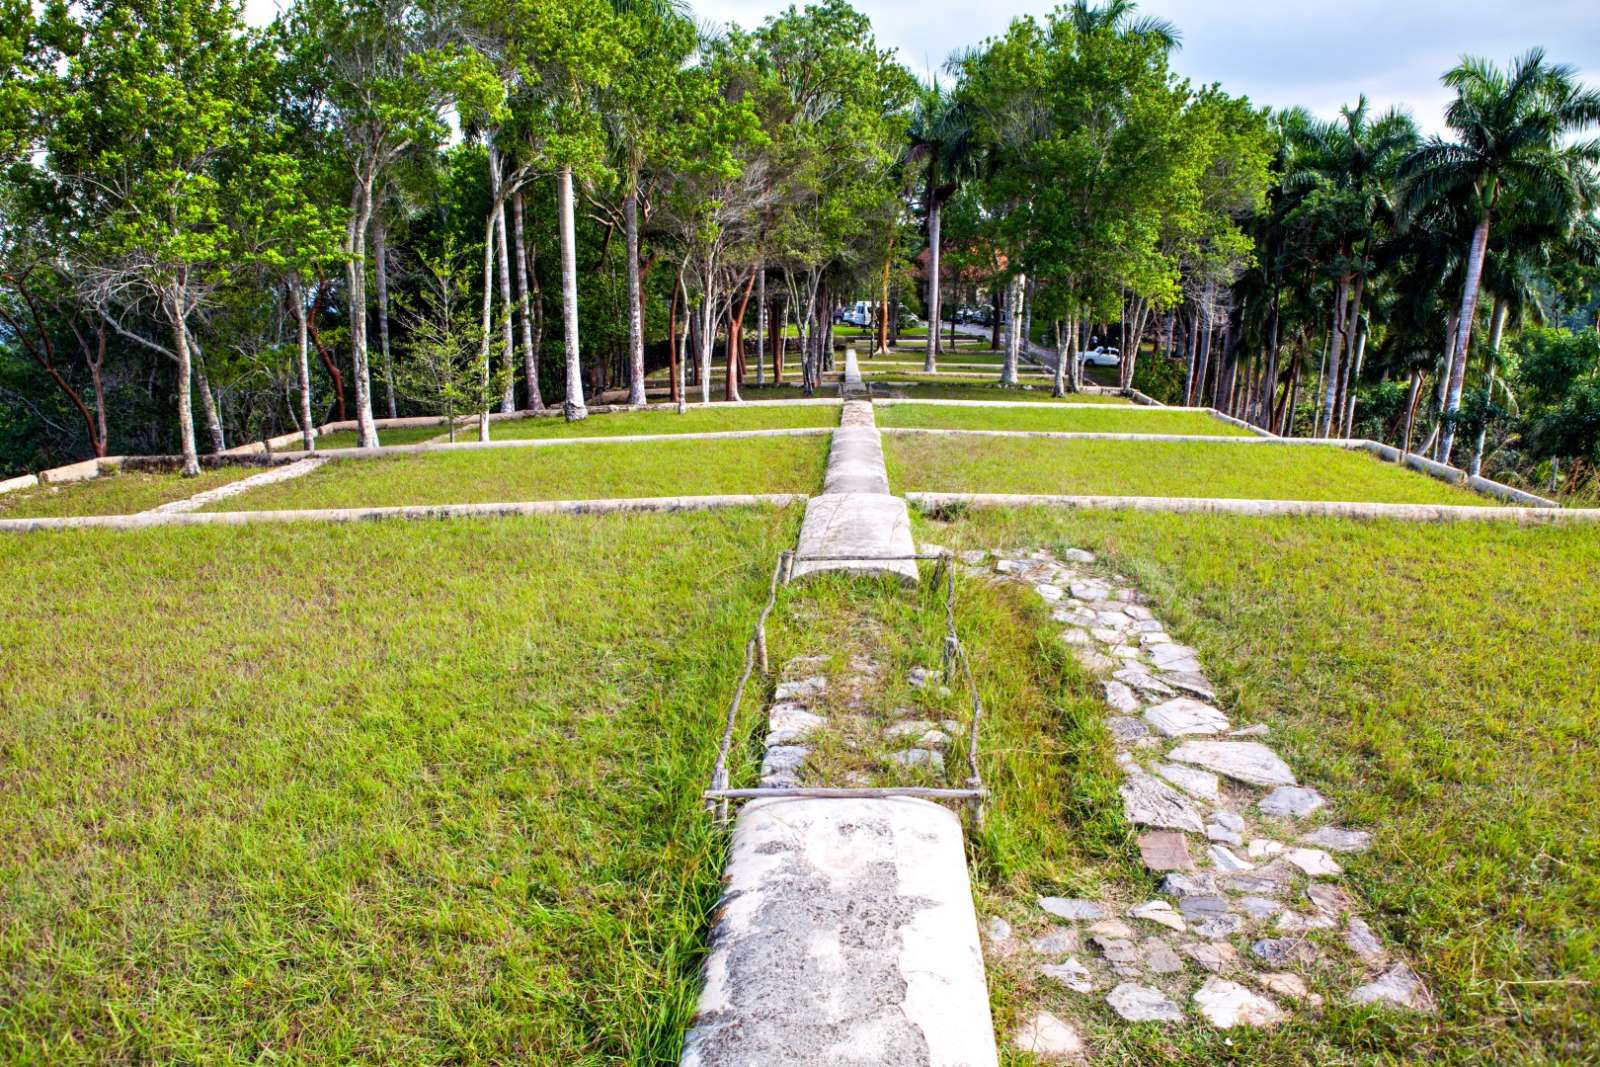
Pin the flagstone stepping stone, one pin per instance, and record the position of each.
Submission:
(1295, 802)
(1360, 939)
(1070, 973)
(1105, 635)
(997, 932)
(1185, 715)
(1190, 682)
(1294, 922)
(973, 556)
(1074, 636)
(1214, 956)
(1148, 802)
(788, 722)
(1261, 848)
(1215, 929)
(1143, 681)
(1057, 942)
(1336, 839)
(1159, 957)
(1259, 907)
(1203, 906)
(1399, 987)
(1189, 885)
(1259, 729)
(1314, 861)
(1118, 951)
(1049, 593)
(1159, 911)
(1196, 783)
(1223, 827)
(1224, 860)
(1077, 555)
(1072, 909)
(1090, 591)
(918, 757)
(1289, 985)
(1164, 655)
(1329, 898)
(1150, 626)
(783, 759)
(1121, 698)
(909, 729)
(1165, 850)
(1125, 729)
(1049, 1038)
(1228, 1004)
(1283, 952)
(1094, 662)
(1143, 1004)
(1139, 612)
(1272, 880)
(1244, 761)
(800, 689)
(1111, 928)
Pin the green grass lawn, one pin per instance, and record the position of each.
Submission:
(1441, 684)
(748, 391)
(666, 468)
(122, 493)
(1123, 419)
(693, 420)
(398, 435)
(946, 387)
(461, 824)
(1157, 468)
(1029, 376)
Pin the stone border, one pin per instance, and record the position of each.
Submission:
(1068, 405)
(280, 473)
(1090, 435)
(426, 447)
(1527, 516)
(597, 506)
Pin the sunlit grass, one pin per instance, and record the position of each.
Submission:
(694, 420)
(1108, 419)
(121, 493)
(948, 387)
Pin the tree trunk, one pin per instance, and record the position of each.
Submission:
(672, 342)
(485, 321)
(180, 344)
(708, 341)
(1336, 345)
(1463, 341)
(1008, 366)
(530, 308)
(502, 242)
(761, 325)
(1322, 375)
(1497, 326)
(930, 360)
(380, 275)
(883, 303)
(994, 325)
(303, 363)
(1355, 376)
(780, 341)
(573, 405)
(355, 269)
(736, 340)
(679, 392)
(630, 225)
(1027, 315)
(1411, 409)
(208, 402)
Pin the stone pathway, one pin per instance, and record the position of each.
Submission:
(243, 485)
(1250, 924)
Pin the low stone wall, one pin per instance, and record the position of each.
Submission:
(550, 442)
(1222, 506)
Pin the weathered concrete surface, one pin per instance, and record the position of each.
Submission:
(855, 531)
(145, 520)
(428, 447)
(850, 383)
(846, 937)
(855, 462)
(1224, 506)
(243, 485)
(25, 481)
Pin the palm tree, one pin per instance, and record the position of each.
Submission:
(940, 139)
(1118, 17)
(1511, 127)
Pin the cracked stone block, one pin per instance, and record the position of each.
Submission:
(1159, 911)
(1314, 861)
(1360, 939)
(1072, 909)
(1259, 907)
(788, 722)
(1294, 922)
(1094, 662)
(1125, 728)
(1070, 973)
(1139, 612)
(1223, 826)
(1197, 783)
(1111, 928)
(1259, 729)
(1214, 956)
(1148, 802)
(1142, 1004)
(801, 689)
(1220, 927)
(1165, 850)
(1121, 698)
(918, 757)
(1189, 885)
(1185, 715)
(997, 932)
(1076, 637)
(1245, 761)
(1048, 1038)
(1272, 880)
(1074, 614)
(1077, 555)
(1090, 591)
(1159, 957)
(1281, 953)
(1203, 906)
(1165, 655)
(784, 759)
(1289, 985)
(1224, 860)
(1143, 681)
(1399, 987)
(1337, 839)
(1118, 950)
(1329, 898)
(1295, 802)
(1055, 943)
(1226, 1004)
(1190, 682)
(1261, 848)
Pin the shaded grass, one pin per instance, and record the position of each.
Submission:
(1441, 683)
(462, 825)
(578, 472)
(693, 420)
(947, 387)
(962, 376)
(397, 435)
(1111, 419)
(1158, 468)
(122, 493)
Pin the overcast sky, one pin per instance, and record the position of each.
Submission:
(1277, 52)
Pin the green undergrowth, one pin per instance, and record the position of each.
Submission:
(460, 825)
(1441, 685)
(575, 472)
(694, 420)
(1159, 468)
(1109, 419)
(120, 493)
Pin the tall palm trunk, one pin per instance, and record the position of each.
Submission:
(180, 344)
(485, 334)
(1412, 399)
(930, 360)
(380, 276)
(672, 341)
(1497, 326)
(883, 304)
(302, 365)
(1463, 341)
(630, 225)
(530, 309)
(355, 270)
(508, 397)
(1330, 385)
(1008, 366)
(573, 405)
(761, 324)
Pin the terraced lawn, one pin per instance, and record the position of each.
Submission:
(397, 435)
(947, 387)
(122, 493)
(1157, 468)
(603, 469)
(1109, 419)
(460, 824)
(1441, 685)
(694, 420)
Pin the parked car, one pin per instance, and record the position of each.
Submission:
(1101, 356)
